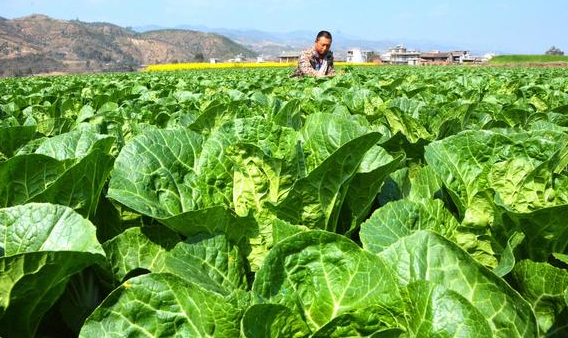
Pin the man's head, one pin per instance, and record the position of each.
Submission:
(323, 42)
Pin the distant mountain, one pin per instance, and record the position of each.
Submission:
(209, 45)
(40, 44)
(148, 28)
(261, 42)
(274, 43)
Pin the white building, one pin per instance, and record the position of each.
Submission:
(400, 55)
(488, 56)
(239, 58)
(356, 55)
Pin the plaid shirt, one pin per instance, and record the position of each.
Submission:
(309, 63)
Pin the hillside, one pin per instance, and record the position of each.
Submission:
(209, 44)
(39, 44)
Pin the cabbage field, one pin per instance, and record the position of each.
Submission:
(386, 202)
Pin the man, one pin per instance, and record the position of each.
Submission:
(318, 60)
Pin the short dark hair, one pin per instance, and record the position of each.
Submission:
(324, 34)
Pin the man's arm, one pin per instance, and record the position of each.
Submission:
(304, 64)
(330, 67)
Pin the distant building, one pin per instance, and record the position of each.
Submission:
(446, 58)
(460, 56)
(357, 55)
(468, 59)
(213, 60)
(400, 55)
(239, 58)
(435, 58)
(403, 56)
(288, 57)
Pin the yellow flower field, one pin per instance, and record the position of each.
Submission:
(198, 65)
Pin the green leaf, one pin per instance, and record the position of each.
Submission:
(220, 156)
(273, 321)
(388, 333)
(505, 161)
(315, 200)
(323, 134)
(153, 173)
(545, 229)
(210, 261)
(356, 99)
(323, 275)
(258, 179)
(13, 138)
(20, 179)
(561, 257)
(427, 256)
(74, 144)
(401, 218)
(139, 248)
(460, 162)
(424, 184)
(282, 230)
(544, 286)
(507, 181)
(30, 285)
(213, 221)
(507, 261)
(366, 185)
(55, 126)
(172, 176)
(438, 312)
(415, 183)
(85, 113)
(45, 227)
(42, 246)
(406, 124)
(39, 178)
(364, 322)
(289, 115)
(163, 305)
(81, 185)
(212, 117)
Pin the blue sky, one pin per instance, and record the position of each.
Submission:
(520, 26)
